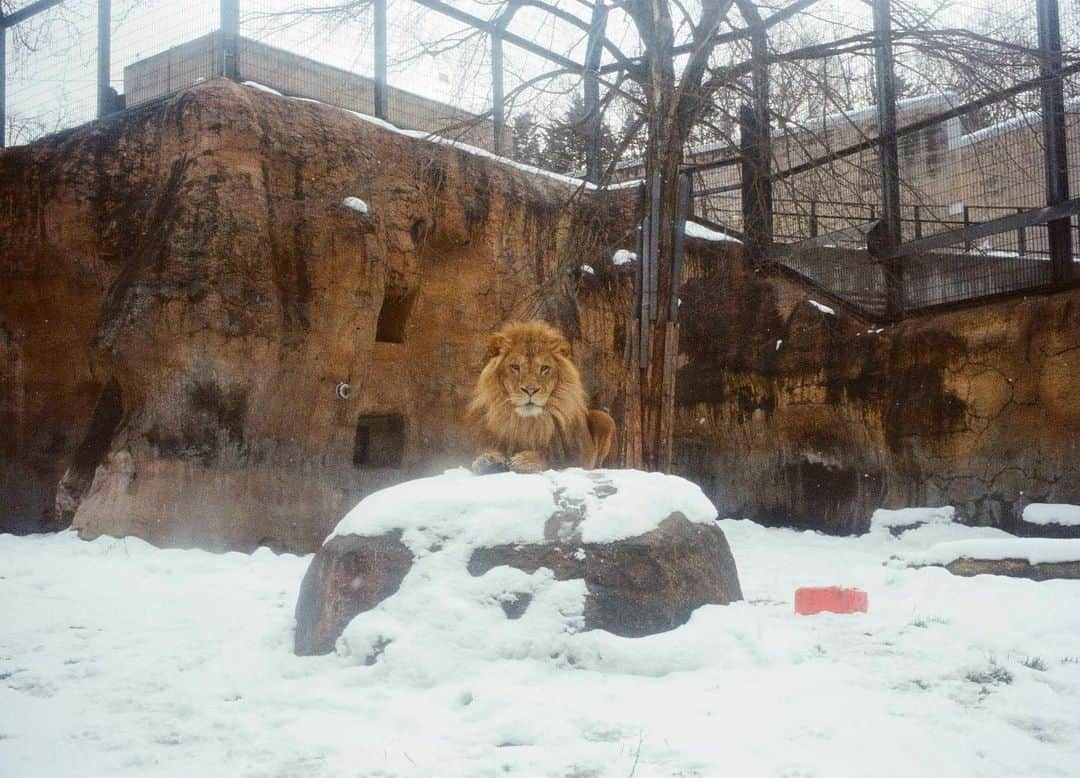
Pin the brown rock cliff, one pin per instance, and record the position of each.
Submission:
(182, 292)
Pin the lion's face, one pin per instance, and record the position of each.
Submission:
(529, 396)
(528, 377)
(529, 374)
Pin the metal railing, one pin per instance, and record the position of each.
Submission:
(981, 205)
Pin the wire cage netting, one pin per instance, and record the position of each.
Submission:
(52, 60)
(441, 72)
(51, 71)
(438, 74)
(160, 47)
(970, 149)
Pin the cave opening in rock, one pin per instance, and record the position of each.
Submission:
(393, 316)
(380, 440)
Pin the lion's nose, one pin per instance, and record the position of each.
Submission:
(530, 390)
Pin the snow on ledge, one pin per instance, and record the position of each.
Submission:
(263, 88)
(355, 204)
(465, 147)
(906, 517)
(700, 231)
(823, 308)
(477, 511)
(1036, 551)
(1061, 514)
(623, 257)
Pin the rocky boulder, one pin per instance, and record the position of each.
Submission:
(443, 558)
(1040, 559)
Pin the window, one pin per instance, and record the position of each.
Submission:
(380, 440)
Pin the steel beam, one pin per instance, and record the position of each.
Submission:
(379, 13)
(1016, 221)
(230, 38)
(105, 102)
(1055, 158)
(492, 29)
(33, 9)
(3, 82)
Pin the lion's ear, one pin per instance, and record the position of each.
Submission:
(498, 344)
(562, 347)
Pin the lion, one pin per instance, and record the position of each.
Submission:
(529, 406)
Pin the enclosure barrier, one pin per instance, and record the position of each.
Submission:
(914, 213)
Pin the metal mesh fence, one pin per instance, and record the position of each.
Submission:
(308, 50)
(973, 165)
(439, 71)
(51, 71)
(160, 47)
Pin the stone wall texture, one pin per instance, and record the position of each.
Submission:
(182, 292)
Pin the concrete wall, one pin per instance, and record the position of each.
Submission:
(199, 60)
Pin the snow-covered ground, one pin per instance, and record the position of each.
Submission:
(119, 659)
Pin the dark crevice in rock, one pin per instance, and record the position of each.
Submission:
(95, 445)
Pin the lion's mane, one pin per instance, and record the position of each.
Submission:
(560, 434)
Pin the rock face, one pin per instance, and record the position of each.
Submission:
(1015, 568)
(349, 575)
(634, 585)
(638, 586)
(182, 292)
(790, 415)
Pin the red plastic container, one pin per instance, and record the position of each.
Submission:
(815, 599)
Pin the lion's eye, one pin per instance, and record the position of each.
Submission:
(516, 368)
(545, 369)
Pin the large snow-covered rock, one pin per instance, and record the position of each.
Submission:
(456, 555)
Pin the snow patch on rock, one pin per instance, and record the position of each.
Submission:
(262, 88)
(1036, 551)
(700, 231)
(355, 204)
(1045, 513)
(502, 508)
(907, 517)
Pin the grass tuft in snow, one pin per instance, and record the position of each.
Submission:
(922, 622)
(993, 675)
(1034, 663)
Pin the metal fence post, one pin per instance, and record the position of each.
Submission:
(104, 58)
(230, 38)
(1055, 158)
(591, 89)
(889, 156)
(380, 58)
(3, 82)
(498, 107)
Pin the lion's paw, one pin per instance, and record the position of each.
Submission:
(527, 462)
(489, 462)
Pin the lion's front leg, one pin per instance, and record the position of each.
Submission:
(528, 462)
(490, 461)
